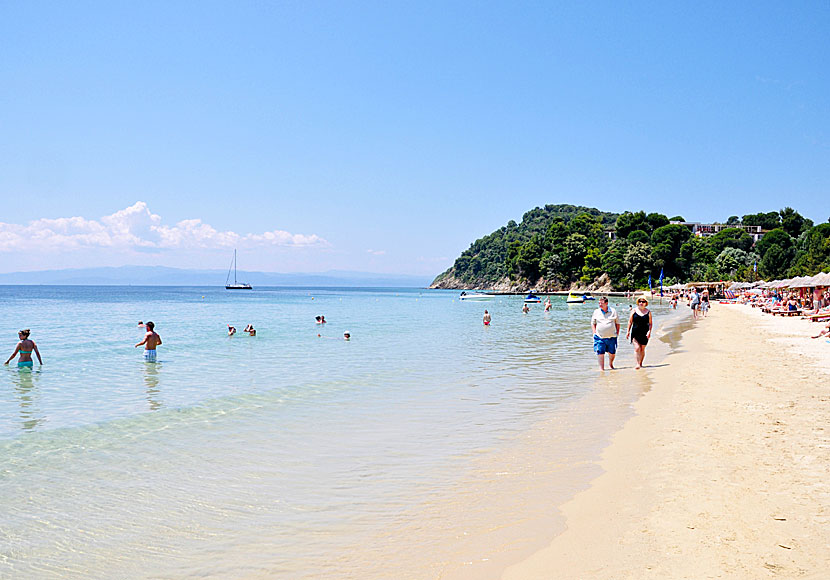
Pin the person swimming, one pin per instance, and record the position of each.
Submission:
(231, 330)
(25, 348)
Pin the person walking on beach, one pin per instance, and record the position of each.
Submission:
(150, 342)
(639, 329)
(486, 318)
(25, 348)
(605, 324)
(704, 302)
(695, 304)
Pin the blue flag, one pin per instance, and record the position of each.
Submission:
(649, 281)
(754, 267)
(661, 281)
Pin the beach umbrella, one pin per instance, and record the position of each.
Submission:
(801, 282)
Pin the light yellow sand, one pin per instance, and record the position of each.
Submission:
(723, 473)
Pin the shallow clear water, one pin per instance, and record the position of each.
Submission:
(275, 455)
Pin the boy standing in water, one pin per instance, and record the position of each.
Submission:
(150, 342)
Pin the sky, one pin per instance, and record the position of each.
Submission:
(387, 136)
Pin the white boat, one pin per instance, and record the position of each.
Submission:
(532, 299)
(476, 296)
(236, 285)
(575, 299)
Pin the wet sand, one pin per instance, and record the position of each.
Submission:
(724, 470)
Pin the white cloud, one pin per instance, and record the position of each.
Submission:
(136, 228)
(376, 252)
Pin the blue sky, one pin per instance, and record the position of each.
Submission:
(386, 136)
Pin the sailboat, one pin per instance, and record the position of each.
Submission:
(236, 285)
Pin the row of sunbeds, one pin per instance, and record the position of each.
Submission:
(776, 308)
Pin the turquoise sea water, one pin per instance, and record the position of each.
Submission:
(283, 455)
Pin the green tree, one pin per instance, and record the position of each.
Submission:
(667, 241)
(814, 256)
(573, 258)
(528, 257)
(731, 260)
(767, 221)
(638, 236)
(733, 220)
(637, 263)
(793, 222)
(588, 226)
(695, 256)
(678, 218)
(656, 220)
(730, 238)
(776, 262)
(776, 237)
(613, 262)
(627, 222)
(556, 234)
(550, 267)
(593, 266)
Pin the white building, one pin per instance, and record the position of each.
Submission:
(706, 230)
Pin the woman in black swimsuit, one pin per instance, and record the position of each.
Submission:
(639, 329)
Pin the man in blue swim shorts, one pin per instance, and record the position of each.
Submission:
(150, 342)
(605, 325)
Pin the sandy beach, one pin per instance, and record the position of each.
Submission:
(722, 473)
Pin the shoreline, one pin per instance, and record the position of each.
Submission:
(720, 472)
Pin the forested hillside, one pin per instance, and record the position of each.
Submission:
(562, 246)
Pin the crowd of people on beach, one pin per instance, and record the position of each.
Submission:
(809, 305)
(605, 322)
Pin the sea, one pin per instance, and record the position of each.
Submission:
(428, 446)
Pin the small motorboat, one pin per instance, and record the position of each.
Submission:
(532, 299)
(476, 296)
(575, 299)
(588, 297)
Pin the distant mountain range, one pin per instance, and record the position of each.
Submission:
(162, 276)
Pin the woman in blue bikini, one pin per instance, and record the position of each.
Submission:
(25, 348)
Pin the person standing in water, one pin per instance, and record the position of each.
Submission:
(25, 348)
(486, 318)
(605, 324)
(150, 342)
(639, 329)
